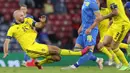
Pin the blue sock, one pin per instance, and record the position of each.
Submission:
(85, 58)
(82, 60)
(26, 57)
(93, 57)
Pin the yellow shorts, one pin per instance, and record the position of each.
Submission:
(118, 31)
(37, 50)
(102, 33)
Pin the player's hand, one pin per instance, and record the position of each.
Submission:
(88, 31)
(43, 18)
(5, 55)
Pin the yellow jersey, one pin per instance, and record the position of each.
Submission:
(121, 16)
(24, 32)
(103, 25)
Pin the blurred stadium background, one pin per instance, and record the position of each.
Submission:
(61, 28)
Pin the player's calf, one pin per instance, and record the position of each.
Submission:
(53, 50)
(56, 58)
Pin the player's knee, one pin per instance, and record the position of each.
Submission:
(56, 58)
(99, 46)
(106, 43)
(53, 50)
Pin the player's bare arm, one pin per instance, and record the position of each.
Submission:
(96, 22)
(80, 28)
(42, 22)
(114, 12)
(5, 46)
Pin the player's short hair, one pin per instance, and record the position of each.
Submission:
(23, 5)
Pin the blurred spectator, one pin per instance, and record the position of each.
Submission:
(7, 18)
(75, 24)
(39, 3)
(60, 7)
(48, 7)
(43, 36)
(67, 43)
(1, 49)
(1, 18)
(29, 3)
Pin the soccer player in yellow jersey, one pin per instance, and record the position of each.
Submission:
(23, 31)
(103, 27)
(118, 29)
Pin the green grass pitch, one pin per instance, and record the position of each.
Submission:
(56, 69)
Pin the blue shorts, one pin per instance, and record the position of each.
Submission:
(82, 38)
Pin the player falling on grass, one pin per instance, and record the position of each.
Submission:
(23, 31)
(118, 29)
(88, 33)
(26, 57)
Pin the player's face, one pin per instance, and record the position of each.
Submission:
(20, 17)
(24, 9)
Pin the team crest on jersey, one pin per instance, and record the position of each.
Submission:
(86, 3)
(26, 22)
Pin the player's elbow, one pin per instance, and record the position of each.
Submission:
(115, 13)
(99, 19)
(6, 43)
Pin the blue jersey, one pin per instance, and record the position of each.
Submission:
(127, 5)
(88, 16)
(28, 15)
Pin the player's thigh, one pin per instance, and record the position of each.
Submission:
(79, 41)
(114, 44)
(37, 50)
(108, 37)
(90, 40)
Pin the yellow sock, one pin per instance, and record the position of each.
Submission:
(121, 56)
(45, 60)
(42, 61)
(123, 45)
(115, 58)
(69, 52)
(105, 50)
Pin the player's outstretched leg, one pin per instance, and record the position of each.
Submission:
(57, 50)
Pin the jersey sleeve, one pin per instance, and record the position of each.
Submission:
(31, 22)
(94, 6)
(10, 33)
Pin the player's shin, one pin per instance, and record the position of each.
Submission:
(116, 60)
(69, 52)
(106, 51)
(121, 56)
